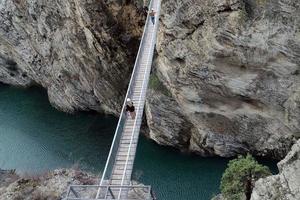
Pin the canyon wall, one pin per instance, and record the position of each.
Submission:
(80, 51)
(226, 78)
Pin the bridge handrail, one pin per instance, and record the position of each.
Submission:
(127, 95)
(85, 192)
(145, 84)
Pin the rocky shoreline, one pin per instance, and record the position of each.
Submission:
(53, 185)
(49, 186)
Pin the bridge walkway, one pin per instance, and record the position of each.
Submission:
(124, 146)
(116, 178)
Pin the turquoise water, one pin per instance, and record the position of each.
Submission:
(34, 137)
(176, 176)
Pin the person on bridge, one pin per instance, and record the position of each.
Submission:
(152, 15)
(130, 108)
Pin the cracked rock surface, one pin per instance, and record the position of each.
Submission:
(229, 68)
(232, 69)
(80, 51)
(285, 185)
(51, 185)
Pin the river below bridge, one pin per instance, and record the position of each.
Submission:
(34, 137)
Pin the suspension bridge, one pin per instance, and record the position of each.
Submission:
(116, 180)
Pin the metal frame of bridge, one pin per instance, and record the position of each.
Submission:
(116, 179)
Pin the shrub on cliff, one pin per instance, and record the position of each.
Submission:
(239, 178)
(157, 85)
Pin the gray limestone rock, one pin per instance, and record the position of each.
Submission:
(51, 186)
(285, 185)
(80, 51)
(172, 127)
(232, 68)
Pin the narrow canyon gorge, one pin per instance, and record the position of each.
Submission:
(225, 78)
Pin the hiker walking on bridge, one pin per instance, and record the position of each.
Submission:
(130, 108)
(152, 15)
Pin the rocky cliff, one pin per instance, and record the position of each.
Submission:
(229, 76)
(226, 76)
(285, 185)
(80, 51)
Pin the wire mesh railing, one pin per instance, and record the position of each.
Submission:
(145, 77)
(89, 192)
(105, 190)
(122, 119)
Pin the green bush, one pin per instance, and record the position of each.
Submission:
(157, 85)
(261, 2)
(239, 178)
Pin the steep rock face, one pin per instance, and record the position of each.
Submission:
(232, 68)
(172, 130)
(80, 51)
(285, 185)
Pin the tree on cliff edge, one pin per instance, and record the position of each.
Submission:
(239, 178)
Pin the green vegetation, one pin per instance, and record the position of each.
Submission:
(157, 85)
(239, 178)
(242, 16)
(261, 2)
